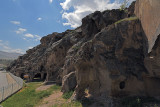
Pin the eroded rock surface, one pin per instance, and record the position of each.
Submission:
(69, 82)
(148, 12)
(111, 64)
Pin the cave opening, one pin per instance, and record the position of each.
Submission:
(22, 75)
(122, 85)
(37, 77)
(45, 76)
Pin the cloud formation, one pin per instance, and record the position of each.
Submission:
(32, 37)
(30, 47)
(20, 31)
(39, 19)
(50, 1)
(29, 35)
(15, 22)
(4, 46)
(81, 8)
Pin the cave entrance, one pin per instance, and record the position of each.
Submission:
(22, 75)
(37, 77)
(45, 76)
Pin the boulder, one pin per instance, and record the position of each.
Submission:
(69, 82)
(148, 12)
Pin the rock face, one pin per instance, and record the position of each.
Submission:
(69, 82)
(152, 63)
(49, 60)
(105, 55)
(111, 64)
(148, 12)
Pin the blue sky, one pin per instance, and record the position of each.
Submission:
(24, 22)
(23, 15)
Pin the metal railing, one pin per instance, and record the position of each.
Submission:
(10, 89)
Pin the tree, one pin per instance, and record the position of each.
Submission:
(124, 5)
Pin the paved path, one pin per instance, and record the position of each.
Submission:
(6, 79)
(3, 79)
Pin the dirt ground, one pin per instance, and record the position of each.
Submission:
(55, 98)
(43, 87)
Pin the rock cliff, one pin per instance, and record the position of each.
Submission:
(148, 12)
(107, 55)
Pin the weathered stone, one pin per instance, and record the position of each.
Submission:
(131, 9)
(152, 63)
(112, 63)
(69, 82)
(148, 12)
(46, 59)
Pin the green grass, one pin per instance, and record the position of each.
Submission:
(67, 95)
(126, 19)
(28, 96)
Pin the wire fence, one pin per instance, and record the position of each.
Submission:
(10, 89)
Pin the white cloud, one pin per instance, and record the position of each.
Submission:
(15, 22)
(39, 19)
(4, 46)
(29, 35)
(21, 30)
(85, 7)
(32, 37)
(30, 47)
(50, 1)
(37, 37)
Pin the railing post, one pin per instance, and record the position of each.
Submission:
(2, 93)
(1, 96)
(12, 89)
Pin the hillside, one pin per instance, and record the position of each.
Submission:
(9, 56)
(6, 58)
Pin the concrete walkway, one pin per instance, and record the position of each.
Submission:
(3, 79)
(9, 84)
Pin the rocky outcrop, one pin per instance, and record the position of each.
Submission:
(111, 64)
(152, 63)
(69, 82)
(107, 55)
(148, 12)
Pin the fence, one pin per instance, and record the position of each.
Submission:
(10, 89)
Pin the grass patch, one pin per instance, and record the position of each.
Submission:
(126, 19)
(67, 95)
(28, 97)
(55, 88)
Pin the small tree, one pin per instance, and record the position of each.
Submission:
(124, 5)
